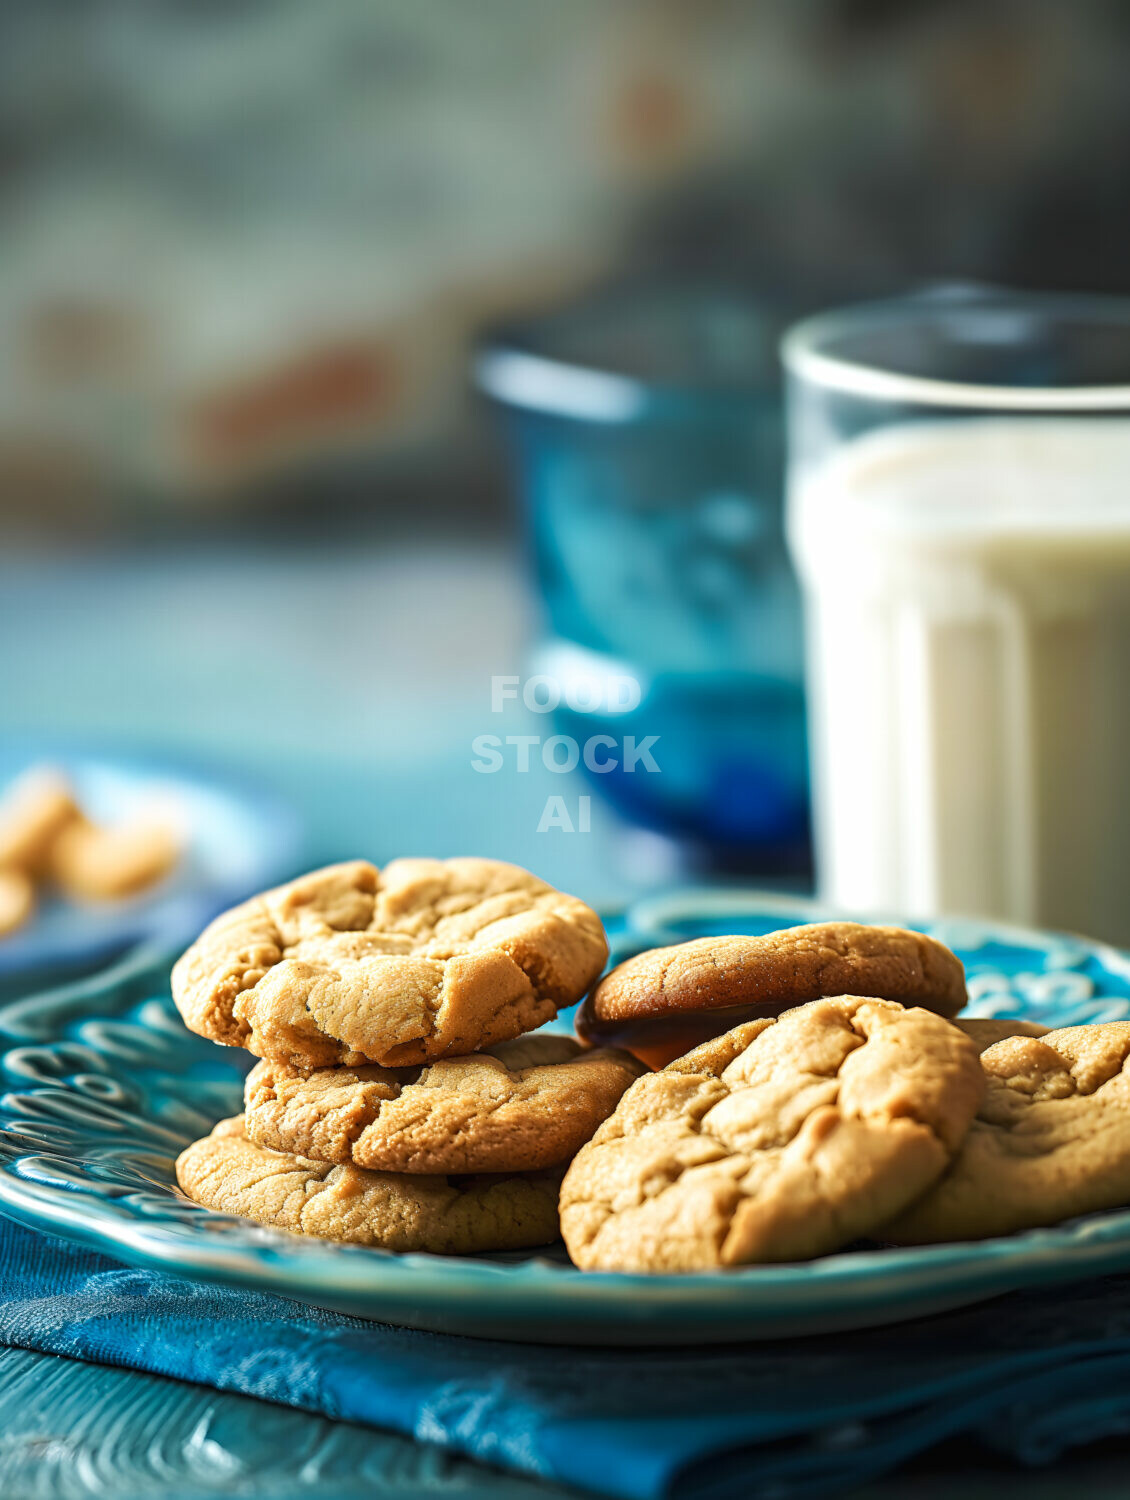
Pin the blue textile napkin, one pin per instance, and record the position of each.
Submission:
(1031, 1374)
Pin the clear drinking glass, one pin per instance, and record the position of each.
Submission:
(959, 514)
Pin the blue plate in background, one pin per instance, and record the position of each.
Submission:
(104, 1086)
(237, 840)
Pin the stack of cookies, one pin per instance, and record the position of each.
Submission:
(399, 1101)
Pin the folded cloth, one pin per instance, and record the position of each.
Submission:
(1032, 1374)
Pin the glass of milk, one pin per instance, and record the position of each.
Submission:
(959, 514)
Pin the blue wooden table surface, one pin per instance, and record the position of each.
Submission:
(70, 1431)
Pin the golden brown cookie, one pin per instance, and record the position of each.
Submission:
(986, 1031)
(662, 1003)
(34, 810)
(447, 1215)
(523, 1105)
(779, 1141)
(423, 959)
(17, 900)
(1051, 1140)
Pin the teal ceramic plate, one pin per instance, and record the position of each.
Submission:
(103, 1086)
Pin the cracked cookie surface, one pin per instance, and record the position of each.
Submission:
(446, 1215)
(1051, 1139)
(523, 1105)
(779, 1141)
(422, 959)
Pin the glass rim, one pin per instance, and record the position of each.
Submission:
(522, 365)
(802, 355)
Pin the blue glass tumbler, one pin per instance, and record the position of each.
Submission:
(646, 431)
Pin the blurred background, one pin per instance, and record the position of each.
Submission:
(355, 354)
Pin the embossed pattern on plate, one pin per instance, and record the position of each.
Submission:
(103, 1086)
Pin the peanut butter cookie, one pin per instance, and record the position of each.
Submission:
(779, 1141)
(354, 965)
(521, 1106)
(664, 1002)
(447, 1215)
(1051, 1140)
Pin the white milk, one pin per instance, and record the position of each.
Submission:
(968, 614)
